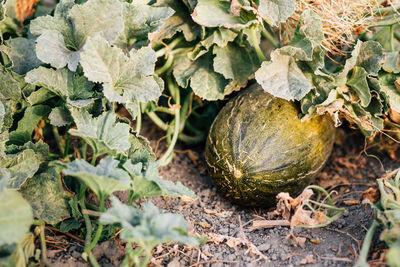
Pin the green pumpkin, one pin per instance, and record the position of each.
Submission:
(257, 147)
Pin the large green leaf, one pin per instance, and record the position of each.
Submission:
(15, 213)
(282, 78)
(62, 36)
(32, 116)
(147, 183)
(204, 81)
(139, 21)
(103, 180)
(358, 82)
(47, 197)
(103, 134)
(22, 53)
(276, 11)
(181, 21)
(234, 62)
(70, 87)
(307, 36)
(10, 85)
(149, 227)
(392, 62)
(368, 55)
(23, 162)
(215, 13)
(125, 79)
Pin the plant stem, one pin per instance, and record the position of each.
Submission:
(66, 143)
(59, 141)
(157, 121)
(139, 120)
(92, 260)
(168, 48)
(98, 231)
(268, 36)
(166, 158)
(166, 65)
(256, 45)
(42, 237)
(88, 223)
(146, 259)
(165, 110)
(93, 162)
(362, 258)
(392, 38)
(384, 23)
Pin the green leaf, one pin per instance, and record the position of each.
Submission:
(204, 81)
(220, 37)
(394, 97)
(21, 52)
(368, 55)
(101, 133)
(67, 85)
(392, 62)
(276, 11)
(32, 116)
(282, 78)
(358, 82)
(125, 79)
(23, 162)
(97, 17)
(103, 180)
(2, 115)
(181, 21)
(10, 85)
(69, 224)
(149, 227)
(307, 36)
(60, 116)
(15, 213)
(215, 13)
(139, 21)
(234, 62)
(51, 49)
(147, 183)
(47, 197)
(62, 36)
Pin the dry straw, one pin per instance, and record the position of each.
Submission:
(343, 20)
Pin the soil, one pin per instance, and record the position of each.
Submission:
(349, 172)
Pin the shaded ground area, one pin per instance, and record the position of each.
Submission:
(349, 172)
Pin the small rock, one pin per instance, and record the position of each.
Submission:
(264, 247)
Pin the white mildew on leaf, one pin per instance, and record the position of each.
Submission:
(104, 179)
(22, 53)
(15, 213)
(276, 11)
(282, 78)
(103, 134)
(125, 79)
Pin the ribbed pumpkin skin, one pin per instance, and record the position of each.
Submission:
(258, 147)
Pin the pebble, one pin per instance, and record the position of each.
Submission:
(264, 247)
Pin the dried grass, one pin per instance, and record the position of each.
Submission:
(342, 20)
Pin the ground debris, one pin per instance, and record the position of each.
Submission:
(234, 242)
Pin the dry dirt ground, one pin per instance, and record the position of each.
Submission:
(349, 172)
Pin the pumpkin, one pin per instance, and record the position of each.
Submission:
(257, 147)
